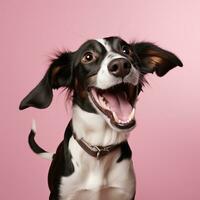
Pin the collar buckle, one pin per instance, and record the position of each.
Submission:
(100, 150)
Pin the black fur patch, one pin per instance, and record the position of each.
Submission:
(125, 152)
(61, 165)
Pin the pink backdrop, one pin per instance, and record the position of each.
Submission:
(165, 144)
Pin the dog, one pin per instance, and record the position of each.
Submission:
(104, 77)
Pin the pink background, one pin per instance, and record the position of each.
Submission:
(166, 142)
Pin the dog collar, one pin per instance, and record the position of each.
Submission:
(94, 150)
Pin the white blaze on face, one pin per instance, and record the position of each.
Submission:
(105, 44)
(104, 78)
(115, 104)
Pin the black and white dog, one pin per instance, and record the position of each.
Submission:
(105, 77)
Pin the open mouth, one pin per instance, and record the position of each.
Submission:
(117, 103)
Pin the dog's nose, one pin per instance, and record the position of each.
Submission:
(119, 67)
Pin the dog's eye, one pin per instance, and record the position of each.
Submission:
(126, 50)
(88, 58)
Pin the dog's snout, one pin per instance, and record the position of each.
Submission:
(119, 67)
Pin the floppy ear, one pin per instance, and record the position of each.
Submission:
(58, 75)
(154, 59)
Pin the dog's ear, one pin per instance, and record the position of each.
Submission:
(58, 75)
(154, 59)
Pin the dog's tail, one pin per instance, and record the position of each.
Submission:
(35, 147)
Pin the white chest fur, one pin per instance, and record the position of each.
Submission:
(97, 179)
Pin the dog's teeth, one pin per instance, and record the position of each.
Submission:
(115, 116)
(131, 116)
(127, 121)
(101, 98)
(103, 102)
(104, 99)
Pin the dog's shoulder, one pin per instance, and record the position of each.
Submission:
(61, 164)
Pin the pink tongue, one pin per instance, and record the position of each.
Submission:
(119, 104)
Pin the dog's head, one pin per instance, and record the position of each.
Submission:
(105, 76)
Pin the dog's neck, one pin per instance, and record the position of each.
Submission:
(94, 129)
